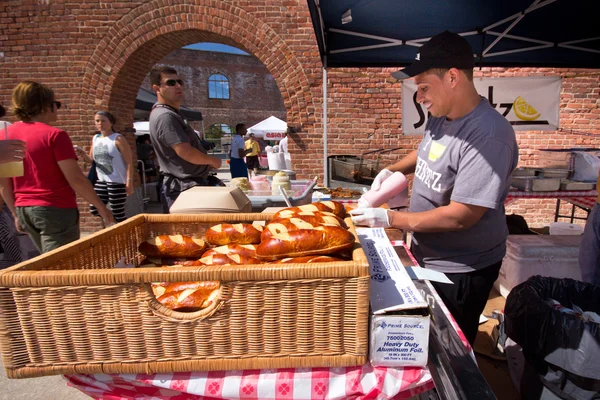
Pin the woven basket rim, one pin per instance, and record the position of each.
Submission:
(20, 276)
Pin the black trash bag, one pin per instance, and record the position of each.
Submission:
(557, 337)
(517, 225)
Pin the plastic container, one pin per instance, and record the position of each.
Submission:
(547, 255)
(565, 228)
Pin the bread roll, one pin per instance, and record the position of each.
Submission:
(173, 246)
(222, 234)
(307, 260)
(187, 296)
(304, 242)
(248, 250)
(228, 259)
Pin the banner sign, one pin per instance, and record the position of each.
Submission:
(528, 103)
(274, 135)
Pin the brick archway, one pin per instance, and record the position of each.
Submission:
(149, 32)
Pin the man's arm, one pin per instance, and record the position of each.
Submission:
(83, 187)
(195, 156)
(406, 165)
(453, 217)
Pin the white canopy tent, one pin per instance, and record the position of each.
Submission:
(143, 128)
(271, 128)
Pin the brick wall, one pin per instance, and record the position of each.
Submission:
(96, 56)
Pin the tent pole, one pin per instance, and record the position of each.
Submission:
(325, 166)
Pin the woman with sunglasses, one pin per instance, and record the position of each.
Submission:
(114, 165)
(43, 199)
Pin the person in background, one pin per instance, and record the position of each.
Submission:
(462, 172)
(237, 164)
(252, 150)
(43, 199)
(283, 143)
(183, 162)
(10, 246)
(114, 165)
(589, 250)
(10, 150)
(145, 153)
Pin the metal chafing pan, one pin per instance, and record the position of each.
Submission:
(536, 184)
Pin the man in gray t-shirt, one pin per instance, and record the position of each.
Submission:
(462, 174)
(183, 161)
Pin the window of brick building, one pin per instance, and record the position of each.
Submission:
(218, 87)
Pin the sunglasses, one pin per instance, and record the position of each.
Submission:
(173, 82)
(57, 104)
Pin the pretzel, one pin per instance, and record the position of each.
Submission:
(304, 242)
(248, 250)
(315, 218)
(187, 296)
(167, 261)
(327, 206)
(228, 259)
(307, 260)
(173, 246)
(222, 234)
(284, 225)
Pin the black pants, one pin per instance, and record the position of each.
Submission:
(466, 299)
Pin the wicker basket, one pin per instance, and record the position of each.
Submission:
(70, 311)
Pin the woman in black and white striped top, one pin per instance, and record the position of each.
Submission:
(114, 166)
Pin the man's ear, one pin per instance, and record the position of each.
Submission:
(453, 76)
(155, 89)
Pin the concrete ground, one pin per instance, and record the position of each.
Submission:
(46, 388)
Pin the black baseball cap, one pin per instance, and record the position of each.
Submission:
(444, 50)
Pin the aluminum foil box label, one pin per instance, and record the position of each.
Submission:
(391, 287)
(399, 340)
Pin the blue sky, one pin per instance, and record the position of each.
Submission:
(221, 48)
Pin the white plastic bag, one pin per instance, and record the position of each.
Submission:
(586, 166)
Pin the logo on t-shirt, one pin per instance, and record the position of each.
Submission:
(103, 159)
(436, 151)
(429, 177)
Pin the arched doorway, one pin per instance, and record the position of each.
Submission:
(149, 32)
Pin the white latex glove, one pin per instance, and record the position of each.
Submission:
(381, 176)
(371, 217)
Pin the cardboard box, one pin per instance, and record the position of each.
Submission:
(211, 199)
(399, 335)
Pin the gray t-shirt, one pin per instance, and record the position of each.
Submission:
(167, 128)
(468, 160)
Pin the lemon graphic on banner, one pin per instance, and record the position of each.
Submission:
(524, 110)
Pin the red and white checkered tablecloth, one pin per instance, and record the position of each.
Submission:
(359, 383)
(581, 198)
(364, 382)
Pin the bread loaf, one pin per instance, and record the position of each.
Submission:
(173, 246)
(327, 206)
(248, 250)
(228, 259)
(222, 234)
(307, 260)
(304, 242)
(187, 296)
(285, 225)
